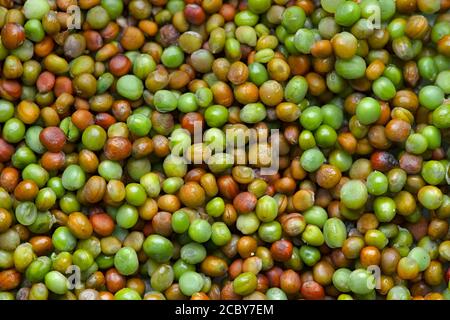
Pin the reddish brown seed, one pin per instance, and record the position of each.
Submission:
(79, 225)
(117, 148)
(132, 38)
(114, 280)
(102, 223)
(10, 89)
(274, 275)
(42, 245)
(397, 130)
(104, 120)
(227, 187)
(194, 14)
(192, 195)
(9, 279)
(53, 138)
(245, 202)
(119, 65)
(418, 229)
(13, 35)
(311, 290)
(94, 40)
(290, 282)
(263, 283)
(370, 255)
(281, 250)
(328, 176)
(121, 109)
(191, 120)
(142, 147)
(161, 223)
(9, 178)
(82, 119)
(53, 160)
(26, 190)
(6, 151)
(383, 161)
(227, 292)
(285, 185)
(246, 246)
(110, 32)
(293, 223)
(94, 190)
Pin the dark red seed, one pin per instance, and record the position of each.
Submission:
(119, 65)
(117, 148)
(194, 14)
(104, 120)
(383, 161)
(6, 151)
(281, 250)
(311, 290)
(52, 138)
(245, 202)
(192, 119)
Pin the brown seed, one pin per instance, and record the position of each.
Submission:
(397, 130)
(26, 190)
(9, 178)
(383, 161)
(117, 148)
(290, 282)
(281, 250)
(114, 280)
(323, 272)
(303, 200)
(9, 279)
(102, 224)
(6, 219)
(168, 35)
(53, 160)
(161, 223)
(412, 164)
(192, 195)
(246, 246)
(53, 138)
(42, 245)
(238, 73)
(119, 65)
(79, 225)
(194, 14)
(328, 176)
(228, 188)
(6, 151)
(94, 189)
(13, 35)
(10, 89)
(214, 266)
(132, 38)
(245, 202)
(370, 255)
(311, 290)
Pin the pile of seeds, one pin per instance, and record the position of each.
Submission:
(224, 149)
